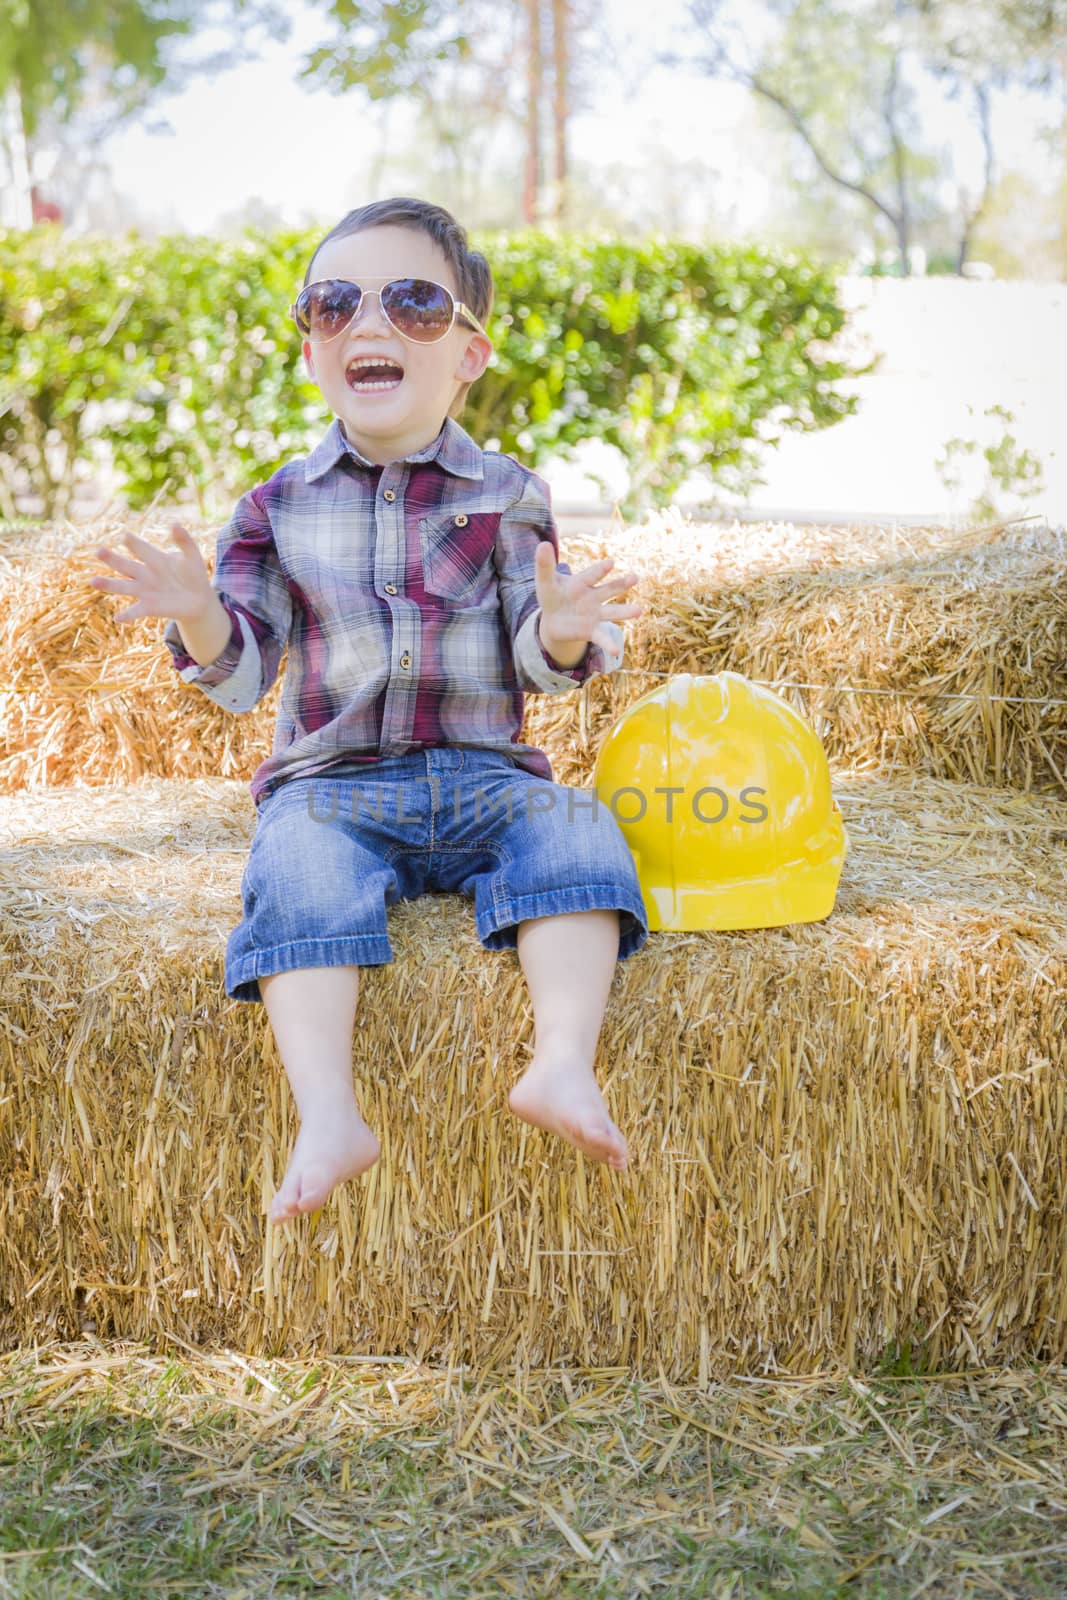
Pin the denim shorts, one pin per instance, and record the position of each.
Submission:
(330, 853)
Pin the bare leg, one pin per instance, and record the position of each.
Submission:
(568, 961)
(312, 1013)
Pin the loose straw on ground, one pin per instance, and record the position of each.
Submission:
(182, 1469)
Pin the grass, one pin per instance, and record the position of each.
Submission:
(127, 1473)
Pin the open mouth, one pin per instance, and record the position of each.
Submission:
(371, 376)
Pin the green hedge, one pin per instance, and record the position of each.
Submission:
(678, 355)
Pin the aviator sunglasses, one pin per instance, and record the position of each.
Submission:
(419, 310)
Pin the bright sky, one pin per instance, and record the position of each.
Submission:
(254, 132)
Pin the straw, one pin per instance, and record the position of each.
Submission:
(840, 1132)
(936, 650)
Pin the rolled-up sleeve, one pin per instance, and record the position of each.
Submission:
(522, 526)
(253, 590)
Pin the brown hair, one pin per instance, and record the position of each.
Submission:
(473, 274)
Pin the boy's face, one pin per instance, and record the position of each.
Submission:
(387, 423)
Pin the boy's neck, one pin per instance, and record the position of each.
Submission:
(381, 454)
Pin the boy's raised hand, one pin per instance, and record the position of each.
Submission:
(575, 605)
(162, 584)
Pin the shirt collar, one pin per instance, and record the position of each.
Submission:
(453, 449)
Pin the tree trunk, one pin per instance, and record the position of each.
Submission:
(901, 220)
(903, 247)
(532, 185)
(1062, 191)
(16, 204)
(971, 218)
(559, 107)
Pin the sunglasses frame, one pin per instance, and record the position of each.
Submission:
(459, 310)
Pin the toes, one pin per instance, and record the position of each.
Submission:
(283, 1206)
(601, 1140)
(613, 1147)
(314, 1192)
(613, 1151)
(298, 1195)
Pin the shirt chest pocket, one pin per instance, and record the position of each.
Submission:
(457, 555)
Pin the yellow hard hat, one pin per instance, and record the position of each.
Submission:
(722, 792)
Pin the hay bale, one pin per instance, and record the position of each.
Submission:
(89, 701)
(841, 1134)
(908, 620)
(892, 624)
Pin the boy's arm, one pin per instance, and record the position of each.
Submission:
(255, 597)
(522, 526)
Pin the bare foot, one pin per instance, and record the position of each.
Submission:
(561, 1095)
(330, 1147)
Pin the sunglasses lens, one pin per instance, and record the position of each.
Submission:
(418, 309)
(323, 310)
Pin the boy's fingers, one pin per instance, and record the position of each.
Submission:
(120, 563)
(148, 553)
(136, 546)
(117, 586)
(598, 568)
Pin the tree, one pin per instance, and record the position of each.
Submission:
(544, 72)
(842, 77)
(833, 73)
(95, 65)
(1031, 34)
(466, 64)
(535, 67)
(976, 48)
(561, 22)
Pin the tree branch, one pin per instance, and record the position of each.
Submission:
(759, 87)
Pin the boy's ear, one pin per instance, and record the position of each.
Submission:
(306, 348)
(475, 358)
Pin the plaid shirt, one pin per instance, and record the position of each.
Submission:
(406, 596)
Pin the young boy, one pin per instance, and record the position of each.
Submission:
(413, 578)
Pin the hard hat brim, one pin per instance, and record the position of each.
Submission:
(796, 894)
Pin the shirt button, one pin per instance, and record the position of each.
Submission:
(388, 494)
(462, 520)
(405, 660)
(390, 588)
